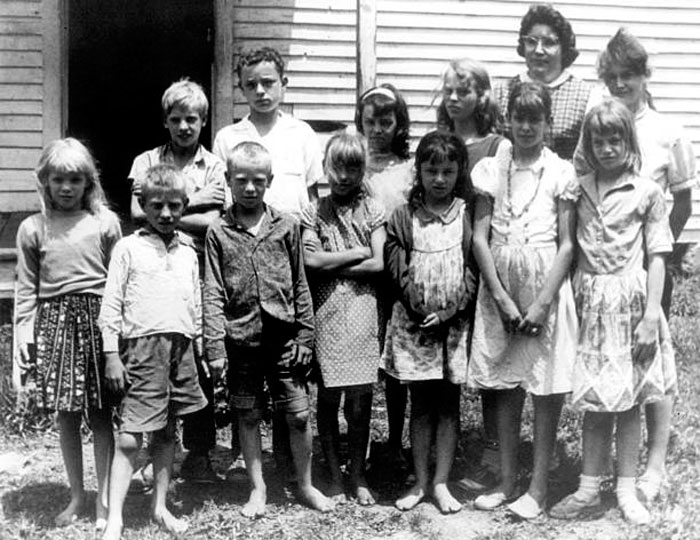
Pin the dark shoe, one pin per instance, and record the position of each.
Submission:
(198, 469)
(574, 506)
(478, 479)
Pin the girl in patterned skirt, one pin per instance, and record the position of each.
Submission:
(343, 237)
(429, 259)
(62, 259)
(624, 356)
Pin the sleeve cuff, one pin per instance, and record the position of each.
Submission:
(110, 342)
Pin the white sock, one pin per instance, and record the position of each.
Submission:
(588, 486)
(632, 509)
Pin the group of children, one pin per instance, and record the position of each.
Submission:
(451, 269)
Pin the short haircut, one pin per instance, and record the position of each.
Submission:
(185, 93)
(546, 14)
(530, 99)
(344, 150)
(611, 117)
(265, 54)
(438, 147)
(385, 99)
(248, 152)
(163, 177)
(623, 50)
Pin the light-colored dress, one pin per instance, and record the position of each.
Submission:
(434, 278)
(390, 185)
(347, 342)
(610, 289)
(524, 245)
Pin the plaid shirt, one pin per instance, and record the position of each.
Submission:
(569, 99)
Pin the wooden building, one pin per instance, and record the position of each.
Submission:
(96, 69)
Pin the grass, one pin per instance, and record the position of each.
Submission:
(33, 487)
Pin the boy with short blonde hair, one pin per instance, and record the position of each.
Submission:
(152, 304)
(258, 319)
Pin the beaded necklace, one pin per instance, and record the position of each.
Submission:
(509, 193)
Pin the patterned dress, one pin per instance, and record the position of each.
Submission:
(610, 290)
(436, 281)
(523, 245)
(347, 342)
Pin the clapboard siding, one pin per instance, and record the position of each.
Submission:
(317, 39)
(416, 39)
(21, 101)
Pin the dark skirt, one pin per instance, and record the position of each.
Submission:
(69, 358)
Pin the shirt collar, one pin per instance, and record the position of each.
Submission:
(448, 216)
(176, 240)
(564, 76)
(168, 156)
(271, 216)
(588, 183)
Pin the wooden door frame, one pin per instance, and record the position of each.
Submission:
(55, 28)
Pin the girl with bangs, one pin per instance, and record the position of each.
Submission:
(62, 259)
(429, 259)
(525, 324)
(624, 356)
(343, 235)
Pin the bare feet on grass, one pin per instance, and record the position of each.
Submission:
(168, 522)
(411, 498)
(70, 514)
(313, 498)
(444, 500)
(100, 515)
(336, 492)
(361, 492)
(113, 530)
(255, 507)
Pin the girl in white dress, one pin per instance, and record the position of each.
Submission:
(525, 325)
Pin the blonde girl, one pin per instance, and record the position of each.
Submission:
(525, 327)
(429, 259)
(63, 254)
(343, 237)
(624, 357)
(468, 109)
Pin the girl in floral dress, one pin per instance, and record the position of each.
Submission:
(525, 324)
(343, 237)
(624, 356)
(429, 259)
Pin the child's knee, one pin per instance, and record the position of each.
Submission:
(298, 420)
(128, 443)
(250, 418)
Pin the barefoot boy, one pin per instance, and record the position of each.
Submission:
(258, 317)
(185, 107)
(152, 302)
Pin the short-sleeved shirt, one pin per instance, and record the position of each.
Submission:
(296, 158)
(204, 169)
(540, 185)
(614, 234)
(570, 99)
(667, 155)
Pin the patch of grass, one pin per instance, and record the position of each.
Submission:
(32, 496)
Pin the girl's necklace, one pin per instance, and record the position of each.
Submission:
(509, 192)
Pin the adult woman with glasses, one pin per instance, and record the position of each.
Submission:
(548, 44)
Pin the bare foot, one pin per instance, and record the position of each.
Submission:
(446, 503)
(100, 515)
(361, 491)
(313, 498)
(336, 492)
(411, 498)
(255, 507)
(168, 522)
(113, 530)
(70, 514)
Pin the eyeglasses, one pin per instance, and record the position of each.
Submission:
(548, 44)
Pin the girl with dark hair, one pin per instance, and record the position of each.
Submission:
(429, 258)
(525, 325)
(548, 44)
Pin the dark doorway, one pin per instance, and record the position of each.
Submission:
(122, 55)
